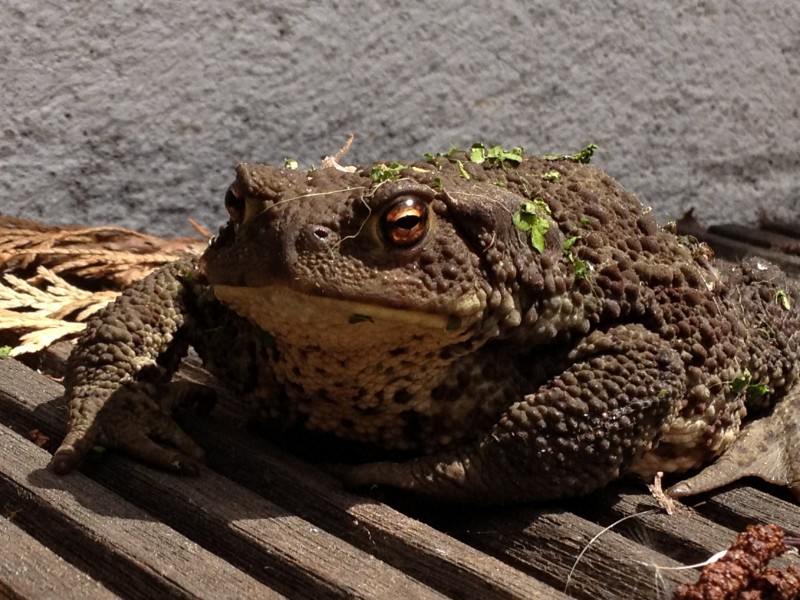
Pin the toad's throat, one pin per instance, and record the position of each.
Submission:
(281, 310)
(350, 352)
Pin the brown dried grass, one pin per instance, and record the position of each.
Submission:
(54, 278)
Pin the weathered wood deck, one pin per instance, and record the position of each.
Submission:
(259, 523)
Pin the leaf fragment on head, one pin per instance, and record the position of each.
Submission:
(744, 383)
(532, 218)
(580, 268)
(782, 298)
(583, 157)
(381, 172)
(478, 153)
(359, 318)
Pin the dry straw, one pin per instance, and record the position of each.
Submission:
(54, 278)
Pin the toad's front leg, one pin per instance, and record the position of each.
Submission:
(578, 432)
(117, 384)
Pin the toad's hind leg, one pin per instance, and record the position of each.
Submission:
(575, 434)
(768, 448)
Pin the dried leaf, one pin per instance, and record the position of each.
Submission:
(39, 306)
(112, 255)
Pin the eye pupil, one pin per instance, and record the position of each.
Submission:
(406, 221)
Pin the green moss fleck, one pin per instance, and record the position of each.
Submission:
(532, 218)
(381, 172)
(5, 351)
(478, 153)
(580, 268)
(359, 318)
(551, 176)
(187, 274)
(583, 157)
(570, 242)
(453, 323)
(290, 163)
(757, 390)
(744, 383)
(782, 298)
(740, 382)
(461, 170)
(434, 159)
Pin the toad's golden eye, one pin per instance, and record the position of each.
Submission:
(406, 221)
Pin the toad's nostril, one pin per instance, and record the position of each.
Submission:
(321, 232)
(234, 205)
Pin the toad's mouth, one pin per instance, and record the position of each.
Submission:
(281, 309)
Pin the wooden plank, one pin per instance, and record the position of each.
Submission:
(257, 535)
(790, 230)
(113, 541)
(446, 564)
(275, 546)
(685, 536)
(437, 559)
(735, 250)
(30, 570)
(739, 506)
(547, 542)
(742, 233)
(638, 558)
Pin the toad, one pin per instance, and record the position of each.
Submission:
(520, 327)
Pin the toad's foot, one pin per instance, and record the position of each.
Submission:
(768, 448)
(132, 422)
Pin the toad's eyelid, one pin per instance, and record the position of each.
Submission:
(387, 192)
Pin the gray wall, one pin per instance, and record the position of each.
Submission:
(134, 113)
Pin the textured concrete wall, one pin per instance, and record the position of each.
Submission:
(135, 112)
